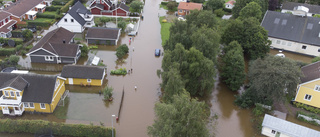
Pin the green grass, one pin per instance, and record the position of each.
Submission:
(61, 111)
(42, 20)
(165, 30)
(50, 13)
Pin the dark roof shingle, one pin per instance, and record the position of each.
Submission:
(74, 12)
(310, 72)
(103, 33)
(83, 72)
(22, 6)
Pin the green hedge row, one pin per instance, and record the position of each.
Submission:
(53, 8)
(38, 23)
(309, 108)
(65, 8)
(61, 129)
(49, 16)
(18, 41)
(59, 2)
(7, 51)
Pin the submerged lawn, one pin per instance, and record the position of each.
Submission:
(165, 30)
(61, 111)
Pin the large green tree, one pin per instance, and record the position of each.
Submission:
(272, 78)
(240, 4)
(251, 36)
(200, 18)
(252, 9)
(214, 4)
(136, 6)
(233, 66)
(207, 41)
(197, 70)
(183, 117)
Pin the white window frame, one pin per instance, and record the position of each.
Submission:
(284, 43)
(48, 58)
(278, 42)
(18, 94)
(6, 93)
(11, 93)
(72, 20)
(307, 96)
(32, 105)
(289, 43)
(43, 105)
(89, 80)
(273, 132)
(26, 105)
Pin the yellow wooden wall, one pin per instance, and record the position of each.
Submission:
(11, 89)
(308, 88)
(78, 81)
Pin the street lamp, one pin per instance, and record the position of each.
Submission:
(112, 123)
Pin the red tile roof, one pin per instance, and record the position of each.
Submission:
(189, 6)
(4, 28)
(22, 6)
(231, 2)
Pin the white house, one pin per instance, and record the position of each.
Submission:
(301, 9)
(293, 33)
(76, 19)
(276, 127)
(230, 4)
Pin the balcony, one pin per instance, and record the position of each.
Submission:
(88, 18)
(10, 101)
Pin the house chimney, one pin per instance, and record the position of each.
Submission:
(64, 41)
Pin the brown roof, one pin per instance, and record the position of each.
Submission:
(4, 15)
(4, 28)
(22, 6)
(189, 6)
(103, 33)
(53, 42)
(310, 72)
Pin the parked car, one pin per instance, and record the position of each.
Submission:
(157, 52)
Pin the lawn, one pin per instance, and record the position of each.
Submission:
(165, 30)
(61, 111)
(42, 20)
(50, 13)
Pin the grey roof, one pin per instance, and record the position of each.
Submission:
(21, 7)
(17, 83)
(39, 90)
(288, 128)
(103, 33)
(312, 8)
(124, 7)
(293, 28)
(310, 72)
(75, 14)
(83, 72)
(97, 5)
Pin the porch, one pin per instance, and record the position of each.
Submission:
(12, 110)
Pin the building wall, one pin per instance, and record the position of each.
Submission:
(309, 88)
(268, 132)
(77, 81)
(41, 59)
(66, 60)
(71, 26)
(95, 11)
(285, 11)
(14, 90)
(101, 42)
(181, 12)
(295, 47)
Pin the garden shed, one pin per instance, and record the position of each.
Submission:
(103, 36)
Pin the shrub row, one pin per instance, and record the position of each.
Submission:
(18, 41)
(62, 129)
(309, 108)
(313, 116)
(39, 23)
(41, 15)
(7, 51)
(121, 71)
(65, 8)
(164, 3)
(53, 8)
(59, 2)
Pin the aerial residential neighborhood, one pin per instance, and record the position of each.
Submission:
(203, 68)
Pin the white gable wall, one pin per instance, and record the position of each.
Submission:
(297, 47)
(285, 11)
(229, 6)
(71, 26)
(268, 132)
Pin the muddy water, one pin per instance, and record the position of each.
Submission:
(294, 56)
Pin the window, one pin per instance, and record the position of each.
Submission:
(18, 94)
(98, 1)
(57, 85)
(65, 20)
(48, 58)
(6, 93)
(307, 97)
(318, 50)
(273, 132)
(289, 43)
(26, 105)
(12, 94)
(42, 106)
(31, 105)
(278, 41)
(304, 47)
(284, 43)
(180, 11)
(5, 108)
(88, 80)
(71, 20)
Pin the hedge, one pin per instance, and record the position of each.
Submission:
(41, 15)
(60, 129)
(65, 8)
(18, 41)
(39, 23)
(7, 51)
(53, 8)
(306, 107)
(121, 71)
(59, 2)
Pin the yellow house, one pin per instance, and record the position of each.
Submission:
(83, 75)
(30, 92)
(308, 92)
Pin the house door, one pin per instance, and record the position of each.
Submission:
(70, 81)
(278, 134)
(5, 110)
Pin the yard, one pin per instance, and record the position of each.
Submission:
(165, 29)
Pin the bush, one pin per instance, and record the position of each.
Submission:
(84, 50)
(23, 52)
(19, 47)
(42, 15)
(316, 15)
(13, 59)
(315, 59)
(122, 25)
(172, 5)
(107, 93)
(16, 34)
(258, 110)
(60, 129)
(7, 51)
(27, 34)
(219, 12)
(164, 3)
(59, 2)
(29, 47)
(121, 71)
(39, 23)
(121, 51)
(18, 41)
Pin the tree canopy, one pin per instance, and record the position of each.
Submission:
(215, 4)
(240, 4)
(121, 51)
(136, 6)
(252, 9)
(184, 117)
(200, 18)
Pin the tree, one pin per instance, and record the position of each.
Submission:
(197, 70)
(13, 59)
(242, 3)
(273, 4)
(207, 41)
(136, 6)
(201, 18)
(219, 12)
(232, 66)
(104, 20)
(184, 117)
(214, 4)
(172, 5)
(122, 50)
(122, 25)
(272, 78)
(198, 1)
(27, 34)
(107, 93)
(84, 50)
(252, 9)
